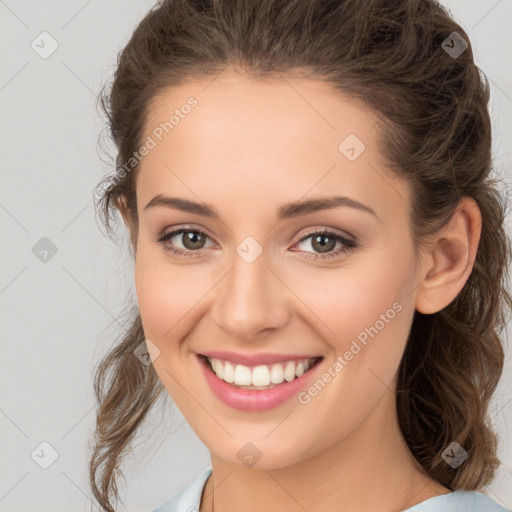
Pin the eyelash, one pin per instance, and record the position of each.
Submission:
(349, 245)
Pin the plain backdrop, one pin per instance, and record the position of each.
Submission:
(59, 316)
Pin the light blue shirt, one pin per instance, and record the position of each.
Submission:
(189, 499)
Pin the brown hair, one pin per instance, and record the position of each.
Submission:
(434, 131)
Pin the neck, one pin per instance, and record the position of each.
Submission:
(372, 469)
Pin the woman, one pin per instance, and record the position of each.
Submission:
(320, 255)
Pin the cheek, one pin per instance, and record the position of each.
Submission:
(364, 311)
(169, 296)
(166, 295)
(153, 294)
(353, 300)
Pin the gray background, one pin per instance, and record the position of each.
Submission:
(60, 316)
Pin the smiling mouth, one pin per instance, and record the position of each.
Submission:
(260, 377)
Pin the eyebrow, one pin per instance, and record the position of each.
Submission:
(286, 211)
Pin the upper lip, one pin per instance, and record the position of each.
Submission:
(255, 359)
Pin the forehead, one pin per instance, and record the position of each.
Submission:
(279, 137)
(253, 111)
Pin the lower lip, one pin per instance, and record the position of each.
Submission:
(254, 400)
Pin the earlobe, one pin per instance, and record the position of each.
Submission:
(451, 258)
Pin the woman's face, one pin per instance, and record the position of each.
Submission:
(258, 278)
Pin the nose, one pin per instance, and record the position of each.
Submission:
(251, 301)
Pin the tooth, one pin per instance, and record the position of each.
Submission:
(218, 368)
(228, 372)
(277, 374)
(260, 376)
(214, 364)
(289, 371)
(242, 376)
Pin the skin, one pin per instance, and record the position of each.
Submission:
(247, 148)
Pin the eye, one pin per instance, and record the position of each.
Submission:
(325, 241)
(194, 240)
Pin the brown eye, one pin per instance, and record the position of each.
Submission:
(323, 242)
(192, 240)
(320, 244)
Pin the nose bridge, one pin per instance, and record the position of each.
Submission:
(251, 298)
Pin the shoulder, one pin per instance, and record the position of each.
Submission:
(189, 498)
(459, 501)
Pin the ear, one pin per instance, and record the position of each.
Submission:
(449, 260)
(122, 206)
(123, 210)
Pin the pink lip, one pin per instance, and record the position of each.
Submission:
(252, 399)
(255, 359)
